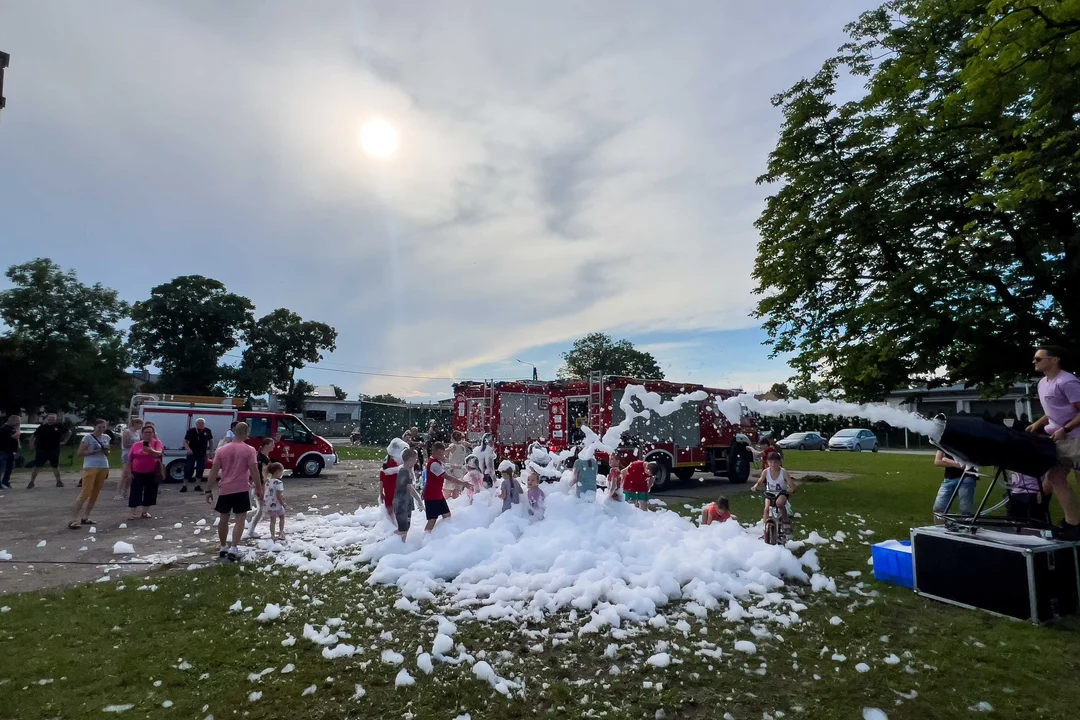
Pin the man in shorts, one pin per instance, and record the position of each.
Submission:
(1059, 394)
(94, 450)
(46, 442)
(638, 481)
(236, 466)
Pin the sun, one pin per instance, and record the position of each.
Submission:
(378, 138)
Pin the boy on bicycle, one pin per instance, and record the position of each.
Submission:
(778, 487)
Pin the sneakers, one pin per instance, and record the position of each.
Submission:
(59, 483)
(183, 488)
(222, 554)
(233, 554)
(198, 489)
(29, 486)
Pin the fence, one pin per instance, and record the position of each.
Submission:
(379, 423)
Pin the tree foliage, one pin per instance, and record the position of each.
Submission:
(780, 390)
(929, 228)
(278, 345)
(185, 328)
(385, 398)
(339, 393)
(598, 352)
(63, 350)
(294, 398)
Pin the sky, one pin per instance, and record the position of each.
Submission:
(563, 168)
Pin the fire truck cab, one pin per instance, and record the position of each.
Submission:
(297, 448)
(696, 438)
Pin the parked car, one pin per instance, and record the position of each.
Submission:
(802, 441)
(854, 439)
(26, 430)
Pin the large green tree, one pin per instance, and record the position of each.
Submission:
(185, 328)
(62, 350)
(278, 345)
(928, 228)
(598, 352)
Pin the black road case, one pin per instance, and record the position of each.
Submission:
(1017, 576)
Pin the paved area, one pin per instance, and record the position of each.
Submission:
(33, 523)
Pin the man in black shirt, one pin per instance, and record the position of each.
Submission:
(197, 443)
(46, 442)
(9, 445)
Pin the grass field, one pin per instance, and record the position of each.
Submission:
(72, 653)
(359, 452)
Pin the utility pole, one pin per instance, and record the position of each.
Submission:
(4, 58)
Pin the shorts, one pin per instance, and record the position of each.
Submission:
(435, 509)
(636, 496)
(233, 503)
(774, 495)
(1068, 452)
(51, 457)
(93, 479)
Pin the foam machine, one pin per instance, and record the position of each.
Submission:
(1010, 567)
(974, 441)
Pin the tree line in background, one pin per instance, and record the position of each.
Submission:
(64, 348)
(929, 228)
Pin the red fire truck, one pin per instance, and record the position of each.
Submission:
(696, 438)
(297, 448)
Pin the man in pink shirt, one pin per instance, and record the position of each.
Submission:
(236, 464)
(1059, 394)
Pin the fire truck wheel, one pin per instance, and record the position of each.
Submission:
(684, 474)
(174, 471)
(310, 466)
(663, 477)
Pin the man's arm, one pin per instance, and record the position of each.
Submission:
(942, 460)
(211, 483)
(256, 479)
(187, 446)
(1038, 424)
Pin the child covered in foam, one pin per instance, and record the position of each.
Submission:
(389, 474)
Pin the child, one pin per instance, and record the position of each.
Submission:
(455, 456)
(509, 490)
(473, 479)
(778, 486)
(717, 512)
(405, 495)
(434, 501)
(262, 458)
(584, 475)
(615, 478)
(486, 455)
(388, 474)
(535, 496)
(1026, 498)
(638, 482)
(274, 499)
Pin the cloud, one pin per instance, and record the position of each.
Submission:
(563, 168)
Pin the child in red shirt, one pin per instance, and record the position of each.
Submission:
(434, 501)
(717, 512)
(388, 474)
(638, 481)
(615, 478)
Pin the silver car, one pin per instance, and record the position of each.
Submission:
(854, 439)
(802, 441)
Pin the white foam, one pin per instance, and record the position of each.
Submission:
(732, 409)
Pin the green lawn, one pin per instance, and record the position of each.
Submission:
(359, 452)
(69, 460)
(71, 653)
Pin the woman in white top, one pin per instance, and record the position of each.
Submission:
(778, 486)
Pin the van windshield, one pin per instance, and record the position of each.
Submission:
(291, 429)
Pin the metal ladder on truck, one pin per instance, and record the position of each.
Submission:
(489, 406)
(596, 402)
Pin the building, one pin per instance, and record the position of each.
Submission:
(1020, 402)
(322, 405)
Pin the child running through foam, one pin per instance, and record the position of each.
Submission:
(274, 499)
(473, 480)
(434, 501)
(486, 455)
(388, 474)
(535, 496)
(509, 490)
(584, 479)
(405, 495)
(778, 487)
(718, 511)
(615, 478)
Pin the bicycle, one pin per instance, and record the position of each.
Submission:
(776, 530)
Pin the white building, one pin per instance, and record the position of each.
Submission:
(1020, 401)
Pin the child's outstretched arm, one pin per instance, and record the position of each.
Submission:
(759, 482)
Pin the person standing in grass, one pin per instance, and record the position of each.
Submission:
(9, 445)
(94, 450)
(144, 459)
(405, 495)
(46, 442)
(955, 474)
(236, 465)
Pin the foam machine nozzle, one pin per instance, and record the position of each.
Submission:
(975, 441)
